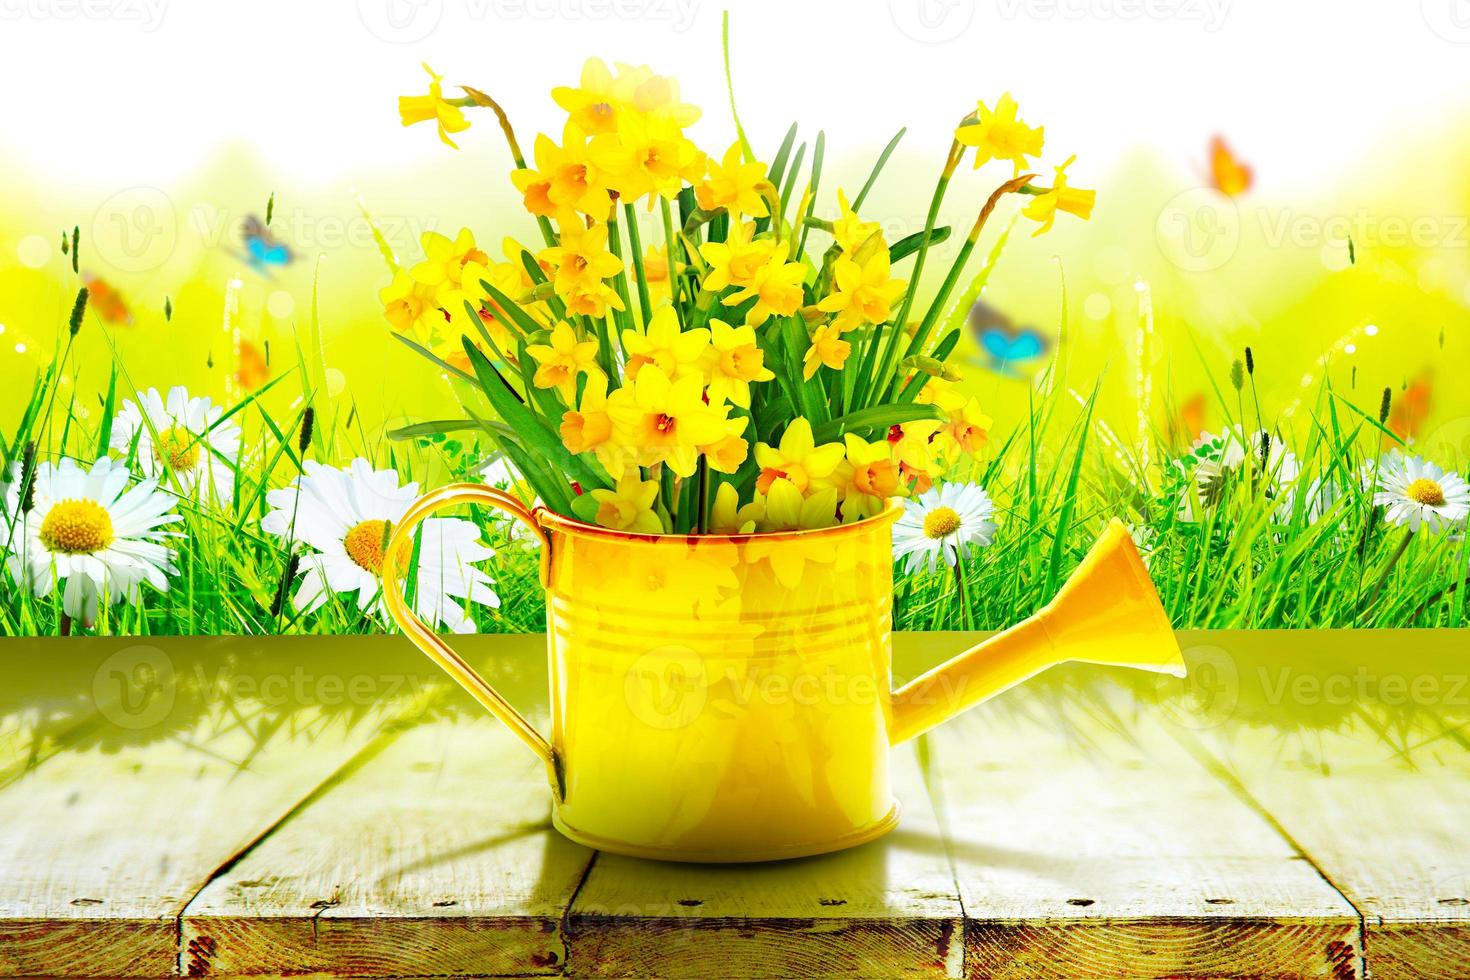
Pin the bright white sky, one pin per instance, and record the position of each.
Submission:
(142, 91)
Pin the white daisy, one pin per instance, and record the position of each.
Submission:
(341, 515)
(191, 441)
(1415, 492)
(90, 532)
(1215, 457)
(945, 522)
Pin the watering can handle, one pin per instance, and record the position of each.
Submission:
(430, 642)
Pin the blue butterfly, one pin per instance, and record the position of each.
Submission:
(1006, 346)
(262, 249)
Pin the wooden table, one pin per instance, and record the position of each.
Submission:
(1299, 807)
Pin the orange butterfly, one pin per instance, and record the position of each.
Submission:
(1186, 424)
(1411, 408)
(251, 369)
(1228, 174)
(107, 302)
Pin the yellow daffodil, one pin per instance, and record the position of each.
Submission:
(599, 100)
(656, 96)
(676, 354)
(783, 507)
(421, 108)
(559, 362)
(827, 348)
(593, 105)
(797, 459)
(511, 279)
(734, 362)
(646, 157)
(724, 512)
(776, 288)
(850, 231)
(911, 448)
(729, 452)
(445, 260)
(734, 185)
(594, 300)
(1060, 197)
(736, 260)
(999, 135)
(663, 421)
(629, 506)
(410, 307)
(656, 275)
(866, 478)
(581, 259)
(588, 425)
(564, 178)
(863, 293)
(967, 428)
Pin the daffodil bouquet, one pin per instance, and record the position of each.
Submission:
(755, 368)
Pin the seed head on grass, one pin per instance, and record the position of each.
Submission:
(1237, 375)
(78, 310)
(28, 479)
(1385, 405)
(308, 422)
(1250, 363)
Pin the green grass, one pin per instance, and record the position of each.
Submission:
(1252, 559)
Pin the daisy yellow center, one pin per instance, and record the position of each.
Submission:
(77, 527)
(176, 448)
(941, 522)
(1425, 491)
(364, 545)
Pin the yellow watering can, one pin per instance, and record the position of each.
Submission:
(727, 697)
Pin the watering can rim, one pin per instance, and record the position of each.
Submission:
(551, 520)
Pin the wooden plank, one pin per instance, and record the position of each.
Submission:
(885, 909)
(1356, 746)
(435, 858)
(1082, 852)
(103, 845)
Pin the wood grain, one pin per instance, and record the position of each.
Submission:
(437, 857)
(1083, 853)
(1367, 769)
(884, 909)
(104, 841)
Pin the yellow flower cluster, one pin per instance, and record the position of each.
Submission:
(697, 374)
(999, 134)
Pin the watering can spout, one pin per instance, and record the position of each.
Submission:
(1106, 613)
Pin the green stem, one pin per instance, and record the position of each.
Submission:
(672, 251)
(961, 591)
(635, 245)
(1387, 569)
(889, 360)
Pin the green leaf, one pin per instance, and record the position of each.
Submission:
(857, 202)
(874, 417)
(104, 434)
(439, 426)
(530, 429)
(512, 309)
(909, 244)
